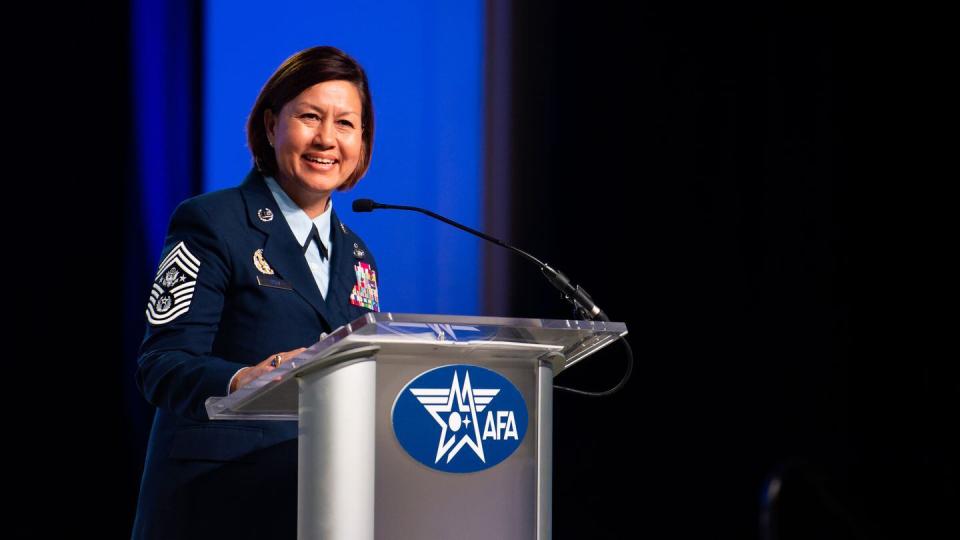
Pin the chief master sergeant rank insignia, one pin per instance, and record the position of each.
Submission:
(173, 287)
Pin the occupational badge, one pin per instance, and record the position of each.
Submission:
(265, 214)
(261, 263)
(173, 287)
(365, 289)
(358, 251)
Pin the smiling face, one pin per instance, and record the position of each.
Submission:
(317, 138)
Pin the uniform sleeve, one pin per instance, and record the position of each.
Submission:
(175, 369)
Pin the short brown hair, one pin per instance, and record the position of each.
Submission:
(297, 73)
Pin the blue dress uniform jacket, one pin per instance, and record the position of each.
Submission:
(209, 315)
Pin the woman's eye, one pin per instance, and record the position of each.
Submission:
(311, 116)
(346, 123)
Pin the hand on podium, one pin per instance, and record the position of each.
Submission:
(272, 362)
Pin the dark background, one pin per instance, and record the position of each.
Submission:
(693, 167)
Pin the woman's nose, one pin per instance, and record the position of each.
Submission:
(326, 133)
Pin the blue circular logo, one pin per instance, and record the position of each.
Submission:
(460, 418)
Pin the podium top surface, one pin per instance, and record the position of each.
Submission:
(561, 343)
(573, 339)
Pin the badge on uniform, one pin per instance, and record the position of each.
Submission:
(267, 276)
(365, 290)
(174, 285)
(261, 264)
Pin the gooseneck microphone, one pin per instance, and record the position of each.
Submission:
(572, 293)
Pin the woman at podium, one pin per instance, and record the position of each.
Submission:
(248, 277)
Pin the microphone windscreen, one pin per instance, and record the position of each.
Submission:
(363, 205)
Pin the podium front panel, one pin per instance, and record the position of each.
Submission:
(415, 501)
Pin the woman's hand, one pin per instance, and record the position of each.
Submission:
(247, 374)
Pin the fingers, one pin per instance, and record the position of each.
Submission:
(266, 366)
(284, 356)
(290, 354)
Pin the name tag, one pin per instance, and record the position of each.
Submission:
(275, 282)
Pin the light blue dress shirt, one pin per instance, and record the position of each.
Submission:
(301, 225)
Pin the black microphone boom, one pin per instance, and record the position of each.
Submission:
(573, 293)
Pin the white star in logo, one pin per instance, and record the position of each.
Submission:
(464, 400)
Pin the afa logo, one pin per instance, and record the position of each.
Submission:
(460, 418)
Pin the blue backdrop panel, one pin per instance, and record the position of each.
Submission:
(424, 60)
(163, 62)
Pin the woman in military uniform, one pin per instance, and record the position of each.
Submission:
(249, 276)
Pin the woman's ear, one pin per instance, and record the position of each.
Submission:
(269, 123)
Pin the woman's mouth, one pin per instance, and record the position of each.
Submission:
(323, 164)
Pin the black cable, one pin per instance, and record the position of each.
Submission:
(615, 389)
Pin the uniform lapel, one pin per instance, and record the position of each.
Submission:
(341, 268)
(281, 249)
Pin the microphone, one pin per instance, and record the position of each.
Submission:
(572, 293)
(363, 205)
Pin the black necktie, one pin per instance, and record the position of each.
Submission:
(315, 236)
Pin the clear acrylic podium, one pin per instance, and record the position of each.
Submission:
(356, 481)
